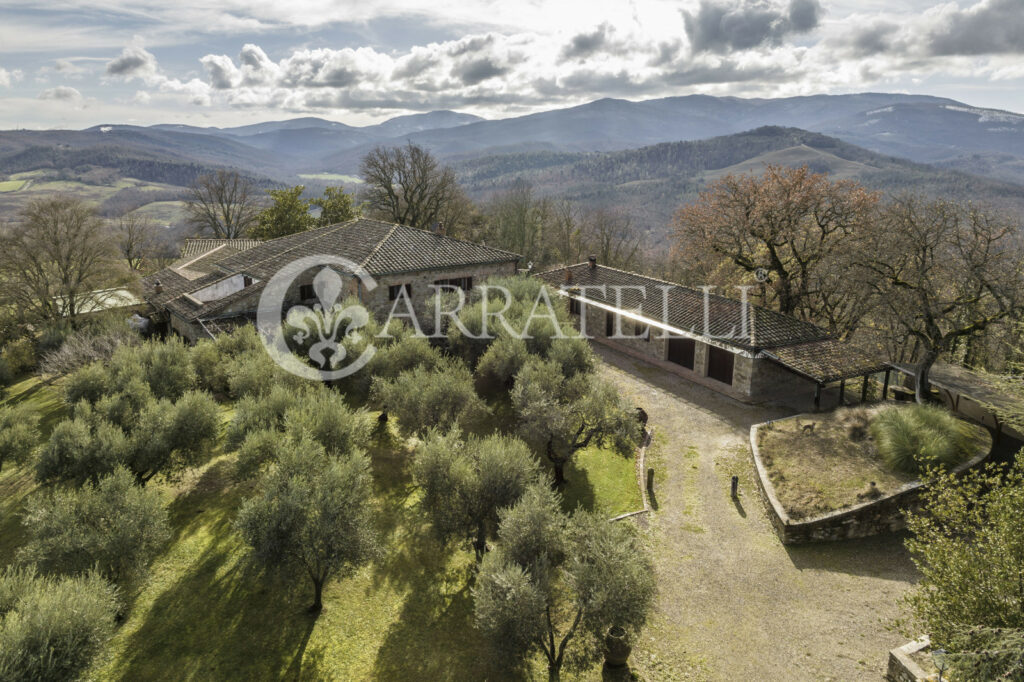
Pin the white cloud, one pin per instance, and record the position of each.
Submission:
(9, 77)
(135, 62)
(63, 93)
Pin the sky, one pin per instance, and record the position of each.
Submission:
(66, 64)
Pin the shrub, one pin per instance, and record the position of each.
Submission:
(500, 363)
(114, 526)
(913, 437)
(85, 347)
(52, 628)
(6, 375)
(19, 433)
(20, 355)
(90, 383)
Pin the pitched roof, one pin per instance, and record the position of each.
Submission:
(197, 246)
(826, 361)
(686, 309)
(378, 247)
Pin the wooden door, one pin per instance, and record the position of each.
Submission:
(720, 364)
(682, 351)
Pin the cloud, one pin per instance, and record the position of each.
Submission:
(134, 61)
(62, 93)
(989, 27)
(478, 70)
(8, 77)
(722, 26)
(583, 45)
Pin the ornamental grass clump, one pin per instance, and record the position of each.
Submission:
(909, 439)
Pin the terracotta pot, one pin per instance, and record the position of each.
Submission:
(617, 649)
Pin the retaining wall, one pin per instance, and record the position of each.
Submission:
(882, 515)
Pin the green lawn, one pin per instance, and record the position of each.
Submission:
(205, 612)
(11, 185)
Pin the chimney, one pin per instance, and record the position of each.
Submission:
(568, 276)
(158, 288)
(593, 262)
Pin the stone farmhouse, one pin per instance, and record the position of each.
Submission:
(217, 282)
(745, 351)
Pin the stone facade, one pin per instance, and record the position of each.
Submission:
(753, 379)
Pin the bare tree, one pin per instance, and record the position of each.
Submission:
(407, 185)
(224, 204)
(611, 237)
(55, 259)
(137, 239)
(518, 220)
(788, 224)
(944, 272)
(566, 235)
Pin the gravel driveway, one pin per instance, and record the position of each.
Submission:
(734, 603)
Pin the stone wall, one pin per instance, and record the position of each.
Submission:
(902, 667)
(883, 515)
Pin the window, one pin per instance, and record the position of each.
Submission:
(464, 283)
(246, 281)
(682, 352)
(395, 290)
(720, 364)
(306, 292)
(609, 323)
(574, 306)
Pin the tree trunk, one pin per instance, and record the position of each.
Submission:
(559, 473)
(554, 671)
(480, 544)
(318, 589)
(922, 375)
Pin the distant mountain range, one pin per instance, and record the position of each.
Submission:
(917, 127)
(647, 156)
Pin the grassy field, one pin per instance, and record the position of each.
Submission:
(826, 468)
(205, 612)
(11, 185)
(163, 212)
(332, 177)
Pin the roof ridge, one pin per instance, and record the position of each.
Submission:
(320, 232)
(377, 247)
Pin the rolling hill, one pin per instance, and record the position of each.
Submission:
(651, 182)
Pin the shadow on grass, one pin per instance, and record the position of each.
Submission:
(433, 638)
(881, 556)
(219, 617)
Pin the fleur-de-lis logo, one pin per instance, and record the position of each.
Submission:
(311, 341)
(324, 320)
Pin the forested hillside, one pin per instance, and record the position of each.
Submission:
(650, 183)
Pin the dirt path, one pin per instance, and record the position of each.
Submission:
(734, 603)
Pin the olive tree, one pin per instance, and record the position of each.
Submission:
(115, 527)
(19, 433)
(51, 628)
(556, 584)
(466, 481)
(442, 397)
(559, 415)
(312, 514)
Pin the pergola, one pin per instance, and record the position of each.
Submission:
(826, 362)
